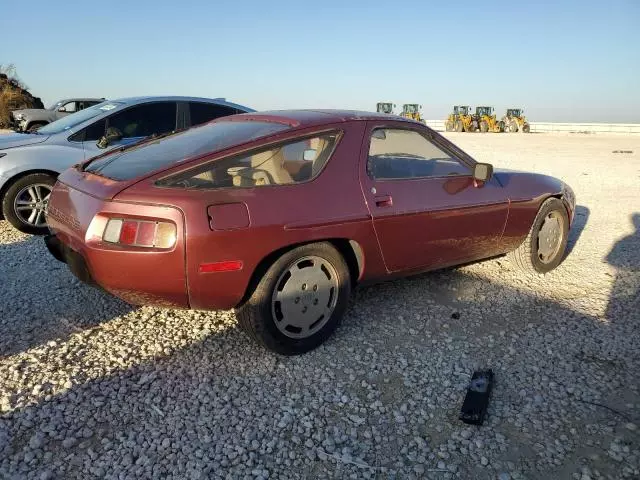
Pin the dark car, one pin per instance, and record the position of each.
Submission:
(281, 214)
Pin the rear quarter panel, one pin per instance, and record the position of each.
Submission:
(138, 276)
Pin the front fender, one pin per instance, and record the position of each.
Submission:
(54, 158)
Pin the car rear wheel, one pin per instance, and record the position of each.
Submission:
(299, 301)
(544, 247)
(25, 202)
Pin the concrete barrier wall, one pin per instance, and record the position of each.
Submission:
(624, 128)
(586, 127)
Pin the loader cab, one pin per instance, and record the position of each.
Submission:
(481, 111)
(383, 107)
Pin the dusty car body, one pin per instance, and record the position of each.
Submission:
(31, 119)
(381, 197)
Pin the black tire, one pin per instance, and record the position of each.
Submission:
(484, 126)
(16, 189)
(527, 256)
(526, 128)
(458, 126)
(257, 316)
(32, 127)
(514, 127)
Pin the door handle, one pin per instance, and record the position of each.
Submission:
(383, 201)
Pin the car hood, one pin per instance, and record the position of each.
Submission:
(507, 173)
(521, 185)
(20, 140)
(27, 111)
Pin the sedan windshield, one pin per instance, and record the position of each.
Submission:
(70, 121)
(165, 152)
(55, 106)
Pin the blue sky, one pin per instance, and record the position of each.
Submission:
(560, 60)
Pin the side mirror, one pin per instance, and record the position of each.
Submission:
(112, 135)
(62, 109)
(482, 172)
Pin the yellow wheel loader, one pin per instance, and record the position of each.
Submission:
(486, 120)
(459, 120)
(515, 121)
(412, 111)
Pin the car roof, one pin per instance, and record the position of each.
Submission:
(315, 117)
(81, 99)
(178, 98)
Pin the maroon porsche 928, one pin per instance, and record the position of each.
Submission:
(280, 214)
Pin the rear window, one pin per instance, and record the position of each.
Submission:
(171, 150)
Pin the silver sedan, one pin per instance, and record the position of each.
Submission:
(30, 163)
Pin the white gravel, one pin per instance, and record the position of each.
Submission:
(90, 387)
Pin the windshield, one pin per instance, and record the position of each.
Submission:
(411, 108)
(70, 121)
(165, 152)
(55, 105)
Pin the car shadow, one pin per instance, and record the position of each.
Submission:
(625, 258)
(579, 223)
(42, 300)
(408, 346)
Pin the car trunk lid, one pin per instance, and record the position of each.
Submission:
(94, 185)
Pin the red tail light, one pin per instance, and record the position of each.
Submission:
(140, 233)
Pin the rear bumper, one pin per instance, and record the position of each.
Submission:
(73, 259)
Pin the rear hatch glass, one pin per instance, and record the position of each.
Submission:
(151, 155)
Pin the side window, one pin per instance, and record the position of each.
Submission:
(292, 162)
(94, 131)
(144, 120)
(69, 107)
(205, 112)
(91, 133)
(395, 154)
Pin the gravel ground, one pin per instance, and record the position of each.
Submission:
(91, 387)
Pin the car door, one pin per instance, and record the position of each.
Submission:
(427, 210)
(135, 123)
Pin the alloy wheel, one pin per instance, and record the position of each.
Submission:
(30, 204)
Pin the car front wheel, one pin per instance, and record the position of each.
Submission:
(545, 246)
(25, 202)
(299, 301)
